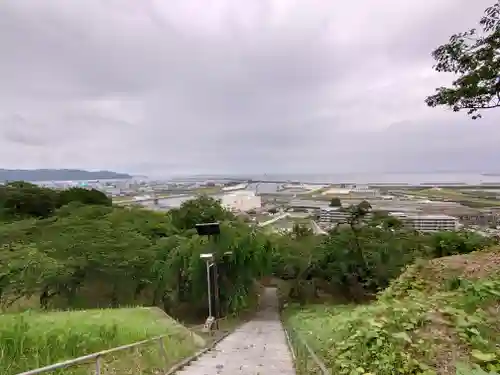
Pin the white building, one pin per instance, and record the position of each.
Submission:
(332, 215)
(428, 223)
(365, 190)
(241, 200)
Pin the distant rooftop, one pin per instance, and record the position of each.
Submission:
(308, 203)
(330, 208)
(422, 216)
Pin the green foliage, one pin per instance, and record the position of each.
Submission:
(464, 369)
(358, 213)
(300, 230)
(385, 221)
(99, 256)
(449, 243)
(335, 202)
(361, 259)
(84, 196)
(364, 261)
(204, 209)
(84, 255)
(414, 335)
(474, 56)
(32, 339)
(22, 199)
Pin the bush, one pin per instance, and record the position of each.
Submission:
(452, 243)
(422, 334)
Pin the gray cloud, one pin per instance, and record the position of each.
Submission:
(159, 87)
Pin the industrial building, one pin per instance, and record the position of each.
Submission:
(480, 219)
(241, 201)
(313, 206)
(428, 223)
(332, 215)
(336, 215)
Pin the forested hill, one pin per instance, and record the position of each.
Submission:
(58, 175)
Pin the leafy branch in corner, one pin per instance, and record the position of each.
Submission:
(474, 56)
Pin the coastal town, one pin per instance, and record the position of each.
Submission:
(320, 207)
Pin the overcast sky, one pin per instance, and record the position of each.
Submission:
(194, 86)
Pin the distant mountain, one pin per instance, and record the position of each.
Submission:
(58, 175)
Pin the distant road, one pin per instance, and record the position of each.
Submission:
(141, 200)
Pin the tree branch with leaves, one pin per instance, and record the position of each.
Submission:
(474, 56)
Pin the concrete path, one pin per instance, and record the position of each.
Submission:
(258, 347)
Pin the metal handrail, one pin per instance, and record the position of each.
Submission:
(297, 343)
(98, 355)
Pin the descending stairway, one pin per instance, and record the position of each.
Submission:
(258, 347)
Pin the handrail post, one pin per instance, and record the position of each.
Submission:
(98, 365)
(137, 353)
(305, 357)
(163, 352)
(299, 350)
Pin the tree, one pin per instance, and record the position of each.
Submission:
(85, 196)
(203, 209)
(358, 214)
(364, 207)
(383, 220)
(83, 256)
(335, 202)
(393, 223)
(300, 230)
(475, 57)
(21, 199)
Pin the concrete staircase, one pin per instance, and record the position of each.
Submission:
(258, 347)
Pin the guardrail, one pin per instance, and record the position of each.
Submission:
(306, 360)
(97, 359)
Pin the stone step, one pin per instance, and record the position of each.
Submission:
(258, 347)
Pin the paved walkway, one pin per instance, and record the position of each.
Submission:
(258, 347)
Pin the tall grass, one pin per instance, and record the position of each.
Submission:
(33, 339)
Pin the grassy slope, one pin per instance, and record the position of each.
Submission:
(33, 339)
(433, 317)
